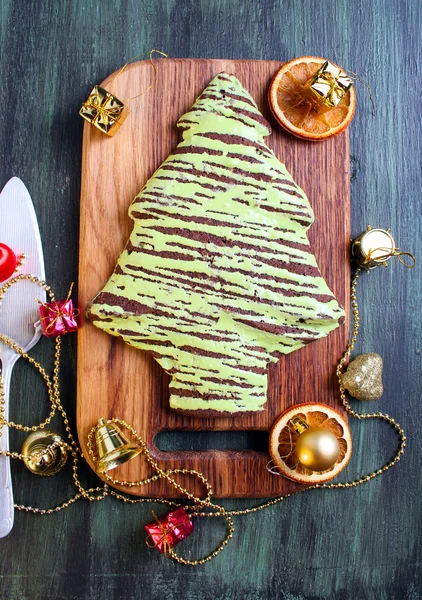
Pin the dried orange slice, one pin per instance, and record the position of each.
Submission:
(293, 104)
(283, 442)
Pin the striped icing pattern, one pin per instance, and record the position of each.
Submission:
(217, 279)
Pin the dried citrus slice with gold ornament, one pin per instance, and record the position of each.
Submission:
(294, 105)
(310, 443)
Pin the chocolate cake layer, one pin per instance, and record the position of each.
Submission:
(217, 279)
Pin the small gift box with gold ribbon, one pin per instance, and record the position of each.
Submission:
(104, 111)
(330, 84)
(167, 532)
(58, 317)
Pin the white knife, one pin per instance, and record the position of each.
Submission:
(19, 311)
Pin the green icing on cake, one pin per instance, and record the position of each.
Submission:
(217, 279)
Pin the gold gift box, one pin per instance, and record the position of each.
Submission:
(104, 111)
(330, 84)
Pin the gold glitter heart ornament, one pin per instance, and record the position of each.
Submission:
(363, 378)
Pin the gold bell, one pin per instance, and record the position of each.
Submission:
(45, 452)
(113, 447)
(373, 248)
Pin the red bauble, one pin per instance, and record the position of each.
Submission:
(8, 262)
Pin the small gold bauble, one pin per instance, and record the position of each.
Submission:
(317, 449)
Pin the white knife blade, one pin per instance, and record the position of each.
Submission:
(19, 311)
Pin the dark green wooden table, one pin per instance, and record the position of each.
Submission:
(361, 543)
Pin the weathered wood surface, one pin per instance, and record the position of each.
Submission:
(358, 544)
(114, 380)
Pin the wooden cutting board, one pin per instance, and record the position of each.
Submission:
(115, 380)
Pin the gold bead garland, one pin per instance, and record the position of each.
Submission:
(203, 508)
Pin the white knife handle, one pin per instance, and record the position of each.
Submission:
(6, 490)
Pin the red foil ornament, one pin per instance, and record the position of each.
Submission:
(58, 318)
(8, 262)
(167, 532)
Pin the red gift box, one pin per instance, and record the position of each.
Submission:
(167, 532)
(58, 318)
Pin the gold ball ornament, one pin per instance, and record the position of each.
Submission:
(317, 448)
(302, 447)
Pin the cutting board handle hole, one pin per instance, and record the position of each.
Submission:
(176, 440)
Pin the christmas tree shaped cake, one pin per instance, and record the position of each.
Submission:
(217, 279)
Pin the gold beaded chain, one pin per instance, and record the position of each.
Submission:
(206, 502)
(201, 507)
(376, 415)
